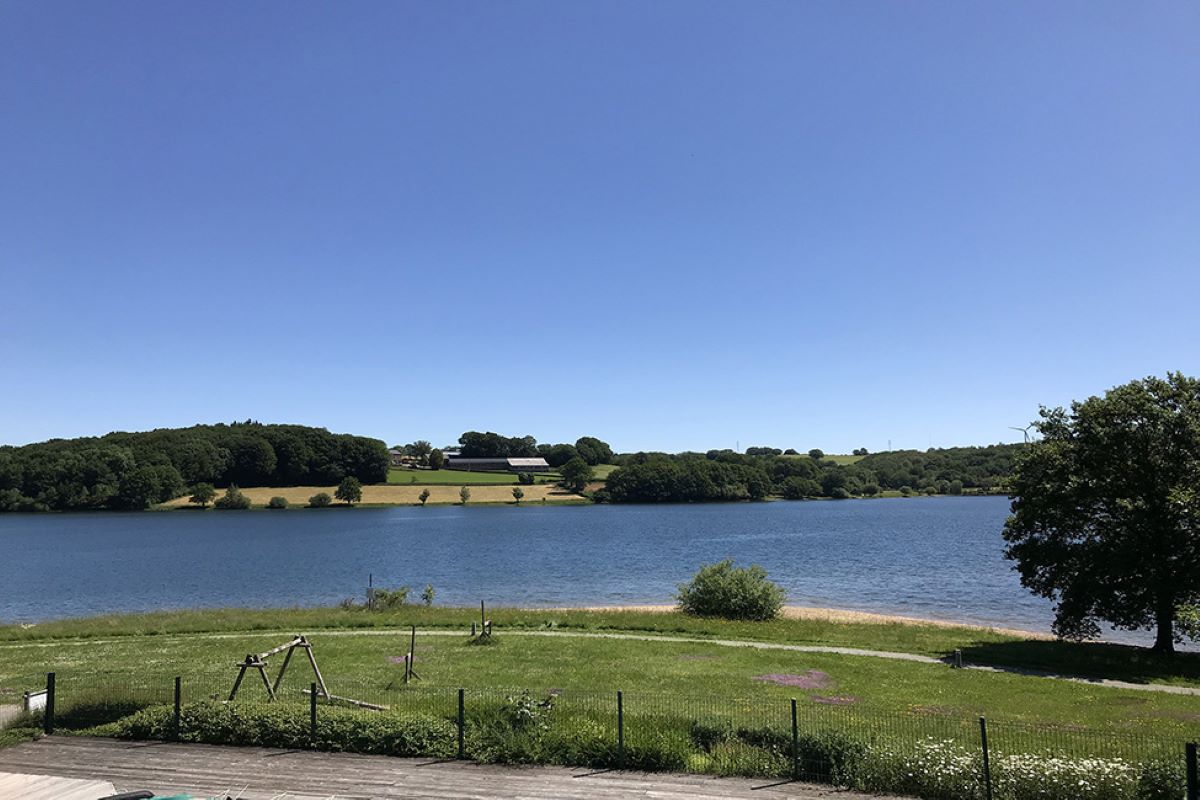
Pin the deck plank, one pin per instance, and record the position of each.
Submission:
(262, 773)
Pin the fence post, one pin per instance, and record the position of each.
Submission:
(987, 766)
(178, 704)
(620, 729)
(48, 716)
(1193, 776)
(312, 713)
(958, 662)
(462, 723)
(795, 744)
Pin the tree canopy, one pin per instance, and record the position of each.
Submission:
(135, 470)
(1106, 510)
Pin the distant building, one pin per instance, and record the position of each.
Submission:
(498, 464)
(399, 458)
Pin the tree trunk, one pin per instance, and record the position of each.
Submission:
(1164, 640)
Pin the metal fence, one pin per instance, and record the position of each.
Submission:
(924, 752)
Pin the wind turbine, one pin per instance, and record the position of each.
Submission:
(1024, 431)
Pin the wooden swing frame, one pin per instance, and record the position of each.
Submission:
(259, 662)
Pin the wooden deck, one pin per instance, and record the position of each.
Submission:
(251, 773)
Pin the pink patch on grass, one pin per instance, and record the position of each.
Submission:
(813, 679)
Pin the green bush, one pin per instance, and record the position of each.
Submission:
(338, 729)
(320, 500)
(277, 502)
(723, 590)
(525, 478)
(387, 599)
(233, 499)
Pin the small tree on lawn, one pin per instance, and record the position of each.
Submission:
(233, 499)
(436, 459)
(202, 494)
(464, 494)
(518, 493)
(319, 500)
(423, 496)
(427, 595)
(349, 491)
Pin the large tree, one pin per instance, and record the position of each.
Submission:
(1106, 510)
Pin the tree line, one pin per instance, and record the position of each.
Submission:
(134, 470)
(476, 444)
(761, 471)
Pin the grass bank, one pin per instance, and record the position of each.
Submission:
(392, 495)
(179, 641)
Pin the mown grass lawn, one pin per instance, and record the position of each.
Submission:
(362, 663)
(460, 477)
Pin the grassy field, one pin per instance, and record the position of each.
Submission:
(600, 471)
(459, 477)
(356, 649)
(842, 460)
(392, 495)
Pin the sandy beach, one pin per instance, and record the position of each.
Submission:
(844, 615)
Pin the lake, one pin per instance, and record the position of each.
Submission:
(936, 557)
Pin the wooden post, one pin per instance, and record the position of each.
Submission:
(312, 713)
(958, 662)
(795, 743)
(412, 654)
(178, 704)
(462, 723)
(620, 730)
(262, 673)
(1193, 775)
(482, 617)
(286, 658)
(238, 680)
(312, 660)
(987, 766)
(370, 591)
(48, 716)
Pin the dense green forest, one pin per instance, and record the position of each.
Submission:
(134, 470)
(726, 475)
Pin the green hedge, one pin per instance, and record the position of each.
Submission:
(525, 730)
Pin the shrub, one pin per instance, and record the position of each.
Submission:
(424, 496)
(525, 478)
(464, 494)
(906, 490)
(723, 590)
(840, 493)
(233, 499)
(320, 500)
(338, 729)
(428, 594)
(387, 599)
(277, 502)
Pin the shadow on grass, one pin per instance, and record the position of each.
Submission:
(1092, 660)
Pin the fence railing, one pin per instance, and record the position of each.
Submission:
(924, 752)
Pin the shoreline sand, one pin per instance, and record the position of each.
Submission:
(836, 615)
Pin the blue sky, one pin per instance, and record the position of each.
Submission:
(673, 225)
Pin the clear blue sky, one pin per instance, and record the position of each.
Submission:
(673, 225)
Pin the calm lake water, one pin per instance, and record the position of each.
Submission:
(927, 557)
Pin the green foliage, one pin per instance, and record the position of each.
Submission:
(525, 478)
(816, 454)
(906, 491)
(391, 599)
(557, 454)
(593, 451)
(423, 496)
(691, 481)
(437, 459)
(277, 502)
(1106, 509)
(232, 500)
(464, 495)
(839, 493)
(723, 590)
(134, 470)
(202, 494)
(427, 594)
(576, 474)
(349, 491)
(320, 500)
(338, 729)
(474, 444)
(518, 493)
